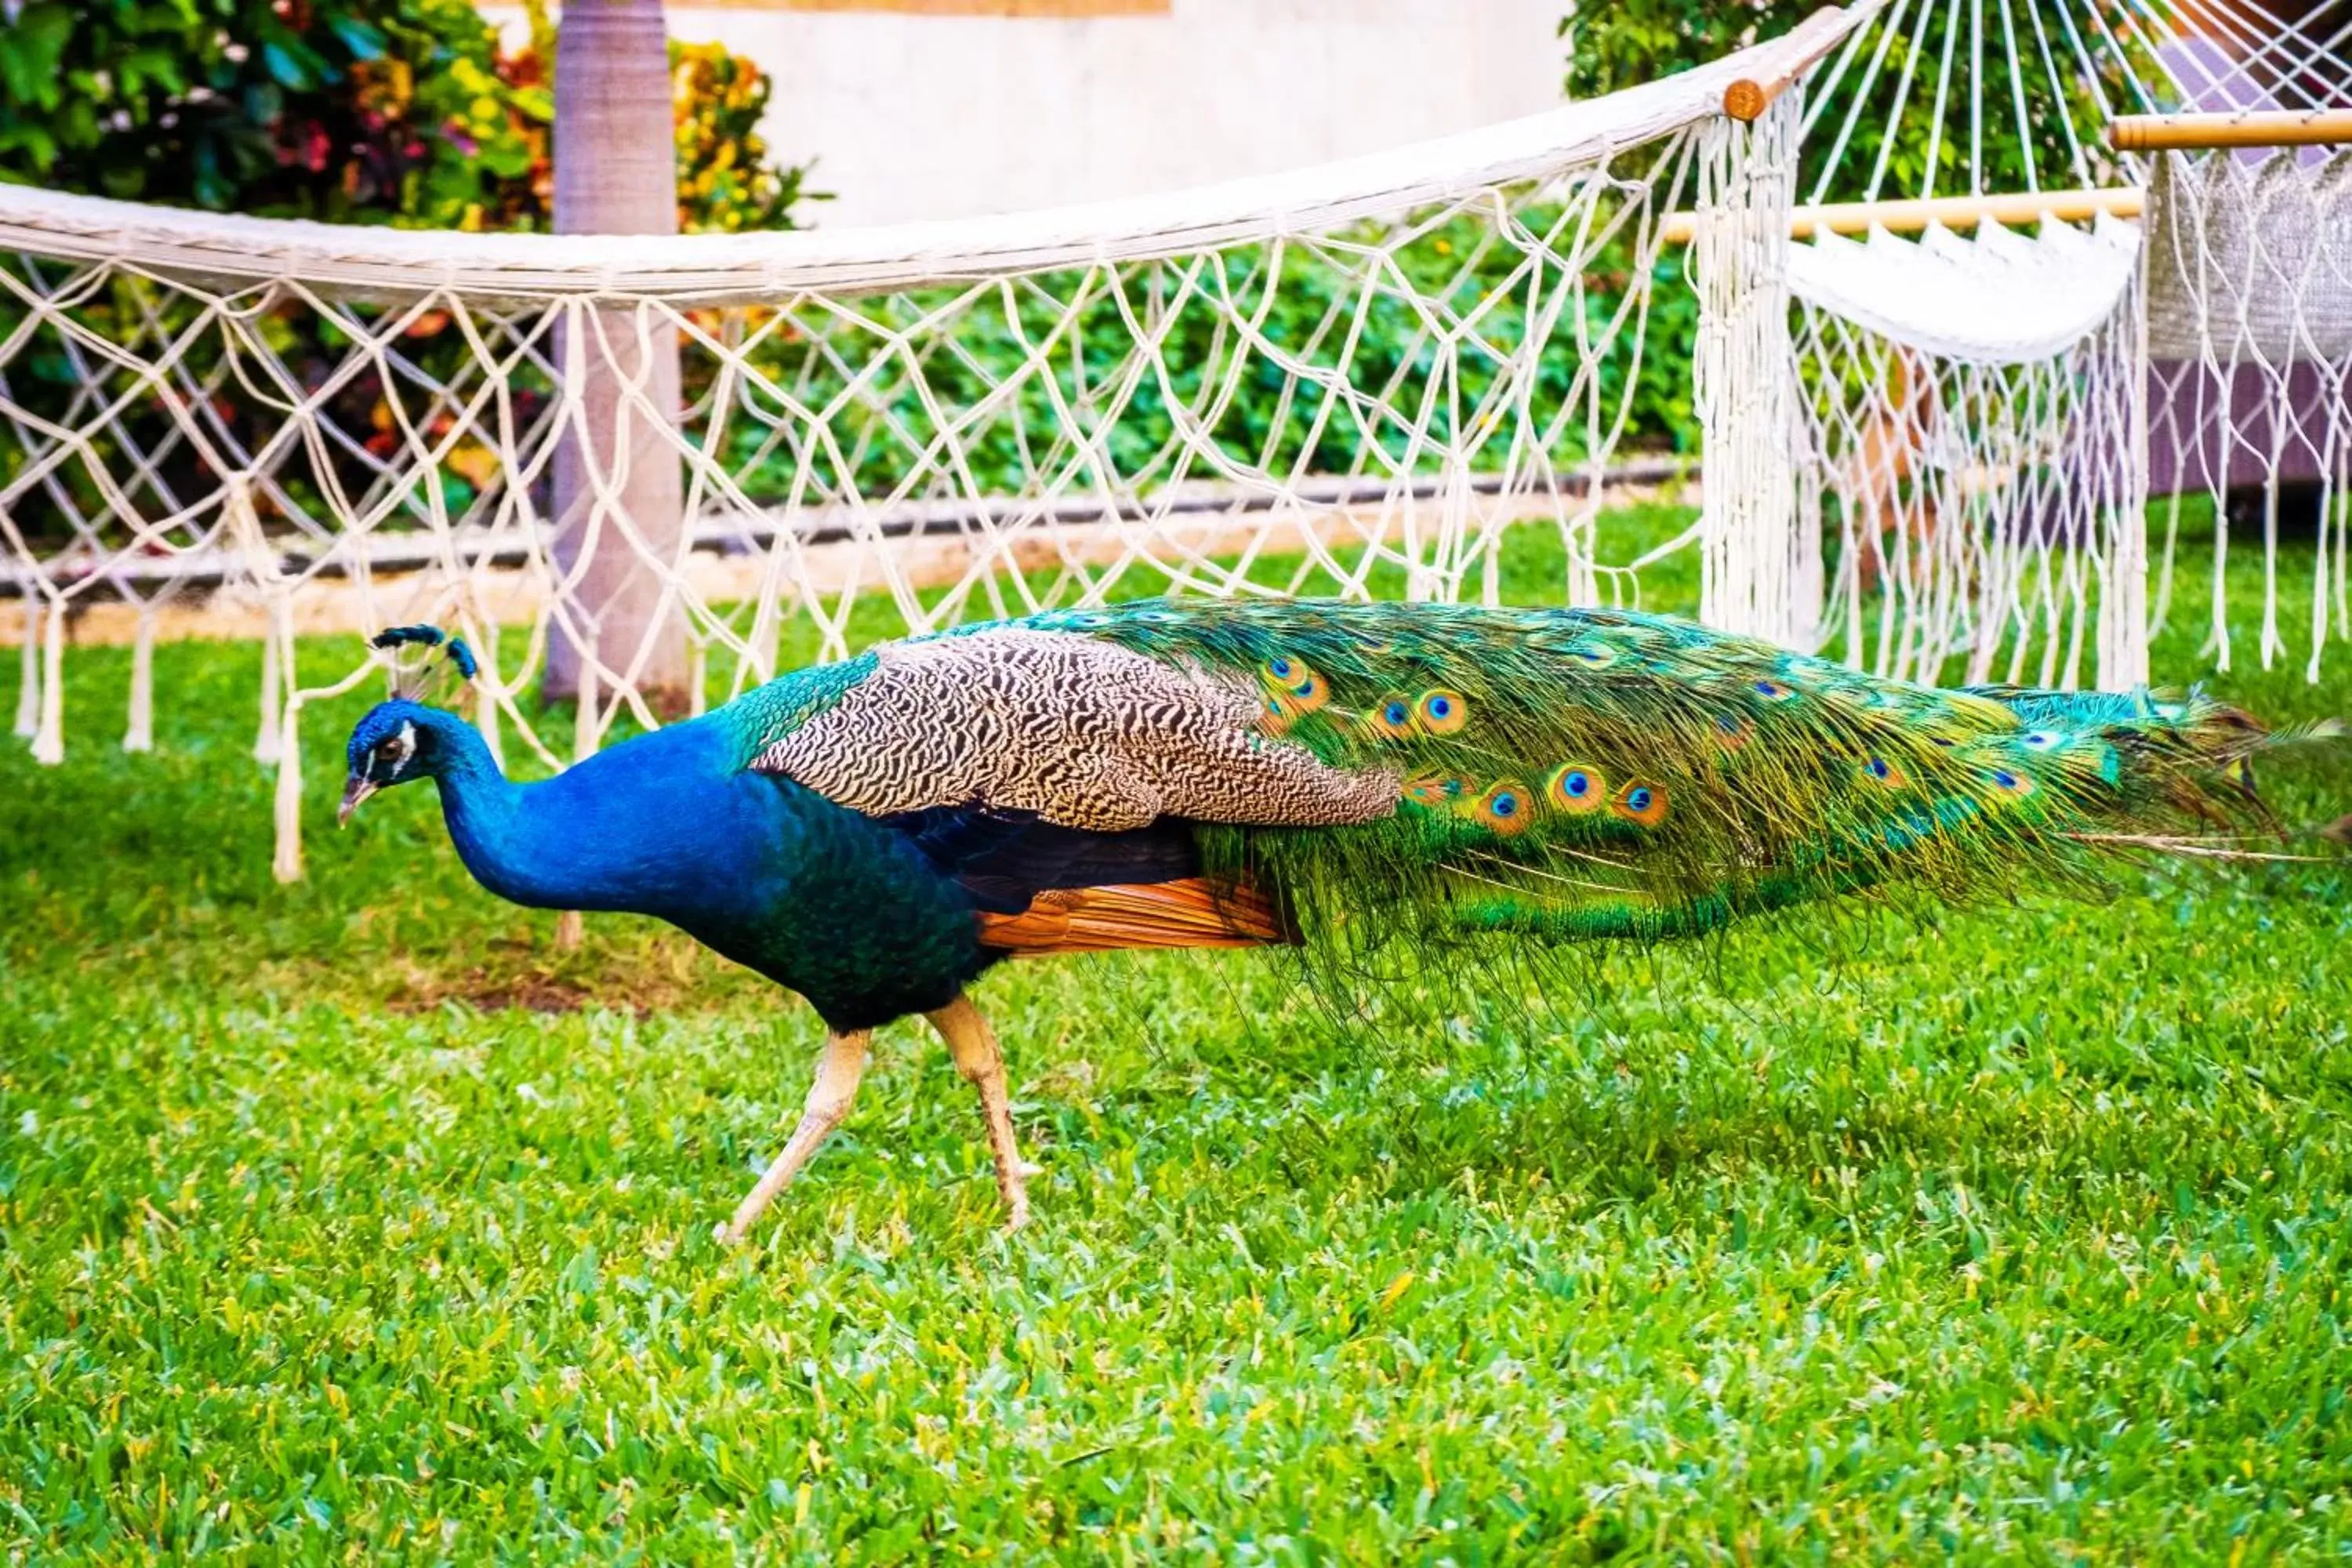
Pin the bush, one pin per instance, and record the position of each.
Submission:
(403, 112)
(400, 111)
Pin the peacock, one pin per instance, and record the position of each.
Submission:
(876, 834)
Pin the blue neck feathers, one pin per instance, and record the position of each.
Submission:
(657, 825)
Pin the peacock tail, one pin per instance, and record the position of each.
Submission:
(1600, 773)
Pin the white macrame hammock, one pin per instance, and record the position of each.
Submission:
(2250, 343)
(1983, 419)
(344, 428)
(1971, 405)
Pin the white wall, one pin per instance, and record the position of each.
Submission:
(914, 116)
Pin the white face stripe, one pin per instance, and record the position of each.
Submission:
(403, 746)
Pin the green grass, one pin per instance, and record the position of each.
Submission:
(351, 1220)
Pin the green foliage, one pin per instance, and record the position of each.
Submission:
(453, 133)
(1199, 364)
(355, 1221)
(1617, 44)
(349, 110)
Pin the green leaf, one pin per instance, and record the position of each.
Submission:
(124, 182)
(79, 125)
(508, 161)
(263, 105)
(285, 66)
(150, 67)
(31, 51)
(39, 148)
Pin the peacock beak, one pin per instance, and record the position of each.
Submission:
(355, 790)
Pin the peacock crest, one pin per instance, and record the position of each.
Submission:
(426, 664)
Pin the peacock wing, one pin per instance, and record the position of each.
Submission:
(1060, 780)
(1080, 731)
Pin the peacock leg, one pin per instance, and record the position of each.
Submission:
(837, 1072)
(973, 1046)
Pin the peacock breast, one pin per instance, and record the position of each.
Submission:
(845, 910)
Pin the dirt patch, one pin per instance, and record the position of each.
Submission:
(665, 975)
(535, 993)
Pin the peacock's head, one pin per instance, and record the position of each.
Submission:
(403, 739)
(397, 742)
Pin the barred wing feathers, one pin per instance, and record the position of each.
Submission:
(1080, 731)
(1059, 780)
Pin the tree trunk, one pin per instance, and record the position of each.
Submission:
(616, 472)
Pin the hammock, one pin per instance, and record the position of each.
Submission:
(1996, 297)
(674, 467)
(1968, 412)
(2250, 336)
(1984, 418)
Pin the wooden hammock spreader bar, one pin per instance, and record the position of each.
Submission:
(1953, 211)
(1747, 98)
(2252, 128)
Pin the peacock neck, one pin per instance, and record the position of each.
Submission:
(819, 898)
(623, 830)
(498, 836)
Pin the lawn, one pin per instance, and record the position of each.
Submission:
(355, 1221)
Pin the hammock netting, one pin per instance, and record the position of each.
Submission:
(1987, 413)
(1928, 455)
(1349, 380)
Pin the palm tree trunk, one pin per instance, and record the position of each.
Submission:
(618, 492)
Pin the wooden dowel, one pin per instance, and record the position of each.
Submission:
(1749, 97)
(1952, 212)
(2197, 133)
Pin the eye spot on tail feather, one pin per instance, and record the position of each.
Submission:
(1886, 774)
(1576, 788)
(1391, 721)
(1293, 690)
(1641, 802)
(1502, 809)
(2008, 783)
(1437, 789)
(1440, 712)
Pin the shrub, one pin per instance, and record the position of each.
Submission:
(350, 110)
